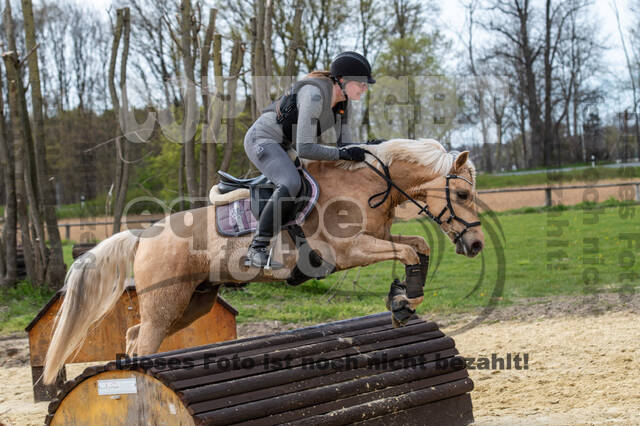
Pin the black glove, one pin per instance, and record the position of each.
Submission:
(352, 153)
(375, 141)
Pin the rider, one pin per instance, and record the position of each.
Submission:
(316, 106)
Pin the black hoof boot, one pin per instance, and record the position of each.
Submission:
(258, 257)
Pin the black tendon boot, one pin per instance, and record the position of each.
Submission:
(270, 218)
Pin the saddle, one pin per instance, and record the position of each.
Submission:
(238, 216)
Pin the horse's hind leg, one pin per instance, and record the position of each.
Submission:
(199, 305)
(132, 340)
(159, 310)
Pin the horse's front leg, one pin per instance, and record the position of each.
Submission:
(366, 250)
(415, 282)
(418, 243)
(404, 297)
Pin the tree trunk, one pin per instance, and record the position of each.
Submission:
(115, 102)
(547, 140)
(290, 70)
(37, 228)
(9, 272)
(498, 144)
(234, 71)
(206, 140)
(523, 131)
(191, 112)
(630, 66)
(181, 178)
(218, 109)
(11, 62)
(56, 268)
(123, 149)
(268, 51)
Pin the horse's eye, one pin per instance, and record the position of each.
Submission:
(463, 195)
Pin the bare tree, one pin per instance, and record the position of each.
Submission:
(189, 118)
(18, 128)
(535, 43)
(55, 32)
(54, 262)
(478, 86)
(237, 55)
(320, 35)
(217, 109)
(294, 44)
(122, 145)
(262, 55)
(9, 272)
(206, 138)
(631, 67)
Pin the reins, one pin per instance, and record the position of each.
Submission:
(423, 208)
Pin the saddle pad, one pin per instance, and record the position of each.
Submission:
(236, 219)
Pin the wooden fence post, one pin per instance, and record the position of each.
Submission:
(547, 193)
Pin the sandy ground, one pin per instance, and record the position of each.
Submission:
(583, 363)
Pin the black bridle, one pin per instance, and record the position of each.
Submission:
(423, 208)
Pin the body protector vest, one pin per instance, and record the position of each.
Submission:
(286, 109)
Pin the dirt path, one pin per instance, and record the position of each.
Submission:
(583, 363)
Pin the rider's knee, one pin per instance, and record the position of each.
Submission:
(293, 186)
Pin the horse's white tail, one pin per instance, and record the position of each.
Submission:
(93, 284)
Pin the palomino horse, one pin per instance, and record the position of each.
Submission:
(174, 256)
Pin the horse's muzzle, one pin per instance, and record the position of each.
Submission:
(469, 249)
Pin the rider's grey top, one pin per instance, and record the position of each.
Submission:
(310, 108)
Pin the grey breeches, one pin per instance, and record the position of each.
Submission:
(273, 161)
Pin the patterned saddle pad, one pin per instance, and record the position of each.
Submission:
(236, 218)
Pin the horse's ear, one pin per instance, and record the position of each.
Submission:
(461, 159)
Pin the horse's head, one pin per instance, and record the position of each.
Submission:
(454, 206)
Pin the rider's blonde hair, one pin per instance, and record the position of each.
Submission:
(319, 74)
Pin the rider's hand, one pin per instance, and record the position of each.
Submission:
(375, 141)
(352, 153)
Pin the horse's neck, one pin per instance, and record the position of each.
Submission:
(363, 182)
(410, 177)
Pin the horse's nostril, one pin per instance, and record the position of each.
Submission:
(476, 246)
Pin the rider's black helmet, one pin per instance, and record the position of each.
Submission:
(352, 66)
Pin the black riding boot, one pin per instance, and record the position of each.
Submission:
(270, 221)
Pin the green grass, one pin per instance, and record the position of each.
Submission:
(489, 181)
(19, 304)
(585, 205)
(536, 264)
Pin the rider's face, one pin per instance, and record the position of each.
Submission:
(355, 89)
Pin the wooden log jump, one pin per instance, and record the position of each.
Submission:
(355, 371)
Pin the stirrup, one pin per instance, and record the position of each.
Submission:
(267, 264)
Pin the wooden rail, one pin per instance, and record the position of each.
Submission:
(548, 189)
(67, 226)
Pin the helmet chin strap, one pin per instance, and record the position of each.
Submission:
(341, 85)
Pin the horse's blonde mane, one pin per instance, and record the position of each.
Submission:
(426, 152)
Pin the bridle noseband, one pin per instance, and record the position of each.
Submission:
(423, 208)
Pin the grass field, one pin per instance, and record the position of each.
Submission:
(526, 255)
(531, 261)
